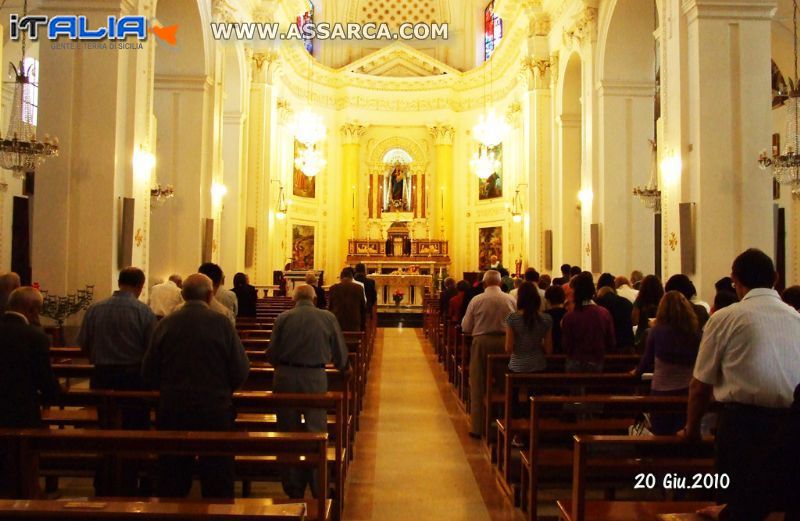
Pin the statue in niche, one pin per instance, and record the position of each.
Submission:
(397, 188)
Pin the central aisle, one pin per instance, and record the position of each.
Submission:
(411, 461)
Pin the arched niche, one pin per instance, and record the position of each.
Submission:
(570, 132)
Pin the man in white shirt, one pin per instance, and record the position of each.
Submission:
(165, 297)
(749, 361)
(484, 320)
(624, 289)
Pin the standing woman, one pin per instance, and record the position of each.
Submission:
(645, 308)
(670, 353)
(587, 332)
(528, 332)
(246, 295)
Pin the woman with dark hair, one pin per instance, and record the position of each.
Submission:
(684, 285)
(645, 308)
(587, 331)
(791, 296)
(555, 297)
(528, 332)
(724, 299)
(246, 295)
(670, 352)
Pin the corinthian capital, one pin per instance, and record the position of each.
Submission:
(533, 71)
(352, 133)
(442, 134)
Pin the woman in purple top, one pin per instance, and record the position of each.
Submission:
(587, 331)
(670, 352)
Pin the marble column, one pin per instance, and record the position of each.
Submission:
(441, 196)
(351, 134)
(729, 122)
(99, 103)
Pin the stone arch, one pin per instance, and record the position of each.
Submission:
(415, 150)
(569, 119)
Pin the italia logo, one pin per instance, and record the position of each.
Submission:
(77, 28)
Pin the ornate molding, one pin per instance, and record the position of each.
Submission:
(442, 134)
(583, 29)
(223, 11)
(284, 111)
(265, 66)
(514, 114)
(554, 68)
(352, 133)
(539, 25)
(533, 71)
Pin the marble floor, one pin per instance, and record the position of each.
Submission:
(414, 459)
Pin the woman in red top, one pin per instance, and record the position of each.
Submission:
(587, 331)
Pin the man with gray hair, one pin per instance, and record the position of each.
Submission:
(8, 283)
(196, 361)
(26, 376)
(485, 321)
(304, 339)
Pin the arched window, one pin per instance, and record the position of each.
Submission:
(304, 20)
(492, 30)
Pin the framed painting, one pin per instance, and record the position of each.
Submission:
(492, 186)
(302, 185)
(490, 242)
(302, 247)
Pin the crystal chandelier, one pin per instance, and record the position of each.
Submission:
(786, 166)
(310, 161)
(308, 127)
(649, 194)
(160, 194)
(20, 152)
(484, 163)
(491, 130)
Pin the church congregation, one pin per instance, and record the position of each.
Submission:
(470, 260)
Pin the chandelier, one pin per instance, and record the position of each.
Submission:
(308, 127)
(517, 210)
(160, 194)
(491, 130)
(649, 194)
(310, 161)
(786, 166)
(20, 152)
(484, 163)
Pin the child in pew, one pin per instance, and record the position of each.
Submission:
(670, 353)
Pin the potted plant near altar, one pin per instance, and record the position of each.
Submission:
(398, 297)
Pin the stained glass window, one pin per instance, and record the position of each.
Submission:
(304, 20)
(492, 30)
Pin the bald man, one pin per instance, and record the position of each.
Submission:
(26, 377)
(8, 283)
(196, 361)
(303, 340)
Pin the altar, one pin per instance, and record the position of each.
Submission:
(409, 287)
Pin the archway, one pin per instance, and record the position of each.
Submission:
(570, 122)
(626, 101)
(182, 104)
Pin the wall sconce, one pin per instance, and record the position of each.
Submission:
(585, 196)
(160, 194)
(517, 210)
(143, 164)
(218, 192)
(283, 207)
(671, 167)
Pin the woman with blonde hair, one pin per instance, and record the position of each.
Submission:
(670, 352)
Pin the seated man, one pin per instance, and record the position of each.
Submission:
(303, 340)
(196, 361)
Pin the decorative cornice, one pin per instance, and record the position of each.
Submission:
(729, 9)
(352, 133)
(442, 134)
(583, 30)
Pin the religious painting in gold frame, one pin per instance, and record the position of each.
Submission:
(302, 247)
(490, 242)
(492, 187)
(302, 185)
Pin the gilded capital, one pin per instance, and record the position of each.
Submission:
(352, 133)
(442, 134)
(264, 66)
(533, 71)
(583, 30)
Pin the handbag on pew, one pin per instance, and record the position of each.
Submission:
(641, 427)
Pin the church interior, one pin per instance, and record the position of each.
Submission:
(515, 138)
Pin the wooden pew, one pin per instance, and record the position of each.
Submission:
(26, 446)
(542, 384)
(154, 509)
(550, 433)
(681, 458)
